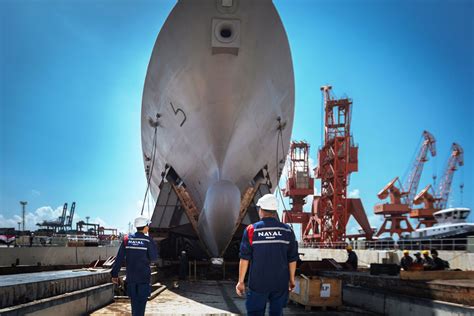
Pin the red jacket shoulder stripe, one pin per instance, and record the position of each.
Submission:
(250, 230)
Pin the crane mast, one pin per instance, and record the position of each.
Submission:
(456, 159)
(413, 179)
(401, 197)
(299, 185)
(337, 159)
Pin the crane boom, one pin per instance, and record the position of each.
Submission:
(71, 215)
(63, 215)
(413, 180)
(456, 159)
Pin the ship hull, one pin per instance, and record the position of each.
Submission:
(220, 91)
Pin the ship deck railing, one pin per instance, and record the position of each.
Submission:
(449, 244)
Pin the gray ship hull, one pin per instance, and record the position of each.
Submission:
(219, 84)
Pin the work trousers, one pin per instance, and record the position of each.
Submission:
(138, 293)
(257, 302)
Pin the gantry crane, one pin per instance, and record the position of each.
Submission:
(55, 225)
(299, 184)
(337, 159)
(70, 217)
(431, 201)
(401, 197)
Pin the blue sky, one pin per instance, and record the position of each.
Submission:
(72, 75)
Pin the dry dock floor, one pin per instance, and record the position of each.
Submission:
(206, 298)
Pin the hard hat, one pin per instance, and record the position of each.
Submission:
(417, 254)
(142, 221)
(268, 202)
(405, 252)
(425, 252)
(349, 247)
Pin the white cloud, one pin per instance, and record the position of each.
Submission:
(45, 213)
(9, 222)
(354, 193)
(100, 221)
(32, 218)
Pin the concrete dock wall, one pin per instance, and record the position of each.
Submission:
(24, 288)
(54, 255)
(457, 259)
(393, 305)
(81, 302)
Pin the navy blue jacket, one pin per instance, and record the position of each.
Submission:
(270, 246)
(139, 250)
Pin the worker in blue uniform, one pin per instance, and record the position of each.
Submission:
(139, 250)
(271, 250)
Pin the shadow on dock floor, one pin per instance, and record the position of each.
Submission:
(205, 298)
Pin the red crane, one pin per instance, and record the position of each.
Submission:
(299, 184)
(337, 159)
(413, 180)
(401, 198)
(431, 201)
(425, 215)
(456, 158)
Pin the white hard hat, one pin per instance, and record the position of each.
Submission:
(268, 202)
(142, 221)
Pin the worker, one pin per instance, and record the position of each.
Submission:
(428, 261)
(352, 259)
(438, 263)
(32, 237)
(139, 250)
(183, 265)
(406, 260)
(418, 258)
(271, 250)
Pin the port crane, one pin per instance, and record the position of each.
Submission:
(299, 184)
(70, 217)
(401, 196)
(456, 159)
(337, 159)
(55, 225)
(431, 201)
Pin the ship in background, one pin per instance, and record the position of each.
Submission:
(217, 116)
(450, 223)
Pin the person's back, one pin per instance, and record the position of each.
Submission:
(438, 263)
(418, 259)
(183, 265)
(139, 251)
(352, 259)
(406, 261)
(428, 260)
(270, 249)
(270, 241)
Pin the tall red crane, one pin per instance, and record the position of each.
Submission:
(431, 201)
(401, 198)
(337, 159)
(299, 184)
